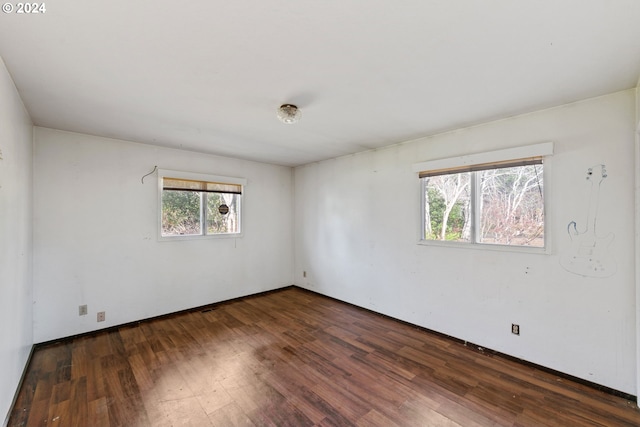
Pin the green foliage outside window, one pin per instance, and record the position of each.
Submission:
(455, 223)
(217, 222)
(181, 213)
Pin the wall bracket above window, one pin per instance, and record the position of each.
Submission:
(486, 158)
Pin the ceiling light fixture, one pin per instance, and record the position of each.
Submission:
(289, 113)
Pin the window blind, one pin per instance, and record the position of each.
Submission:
(537, 160)
(204, 186)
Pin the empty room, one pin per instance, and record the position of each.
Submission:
(320, 213)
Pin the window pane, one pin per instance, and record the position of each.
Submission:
(511, 206)
(447, 207)
(222, 213)
(181, 213)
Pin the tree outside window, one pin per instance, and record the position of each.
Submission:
(494, 205)
(191, 207)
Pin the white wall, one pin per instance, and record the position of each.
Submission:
(357, 223)
(95, 235)
(16, 187)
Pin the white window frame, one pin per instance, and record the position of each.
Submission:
(544, 150)
(162, 173)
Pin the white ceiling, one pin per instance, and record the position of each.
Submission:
(209, 75)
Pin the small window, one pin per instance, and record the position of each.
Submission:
(496, 203)
(199, 205)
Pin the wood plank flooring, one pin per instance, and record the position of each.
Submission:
(294, 358)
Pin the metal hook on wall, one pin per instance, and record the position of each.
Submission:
(155, 168)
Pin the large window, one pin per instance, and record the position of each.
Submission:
(495, 203)
(199, 205)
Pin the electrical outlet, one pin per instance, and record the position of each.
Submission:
(101, 316)
(82, 310)
(304, 274)
(515, 329)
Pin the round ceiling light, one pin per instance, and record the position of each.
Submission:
(289, 113)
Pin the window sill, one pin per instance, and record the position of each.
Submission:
(200, 237)
(486, 247)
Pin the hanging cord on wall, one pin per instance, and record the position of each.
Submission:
(155, 168)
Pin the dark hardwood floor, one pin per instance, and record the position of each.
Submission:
(295, 358)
